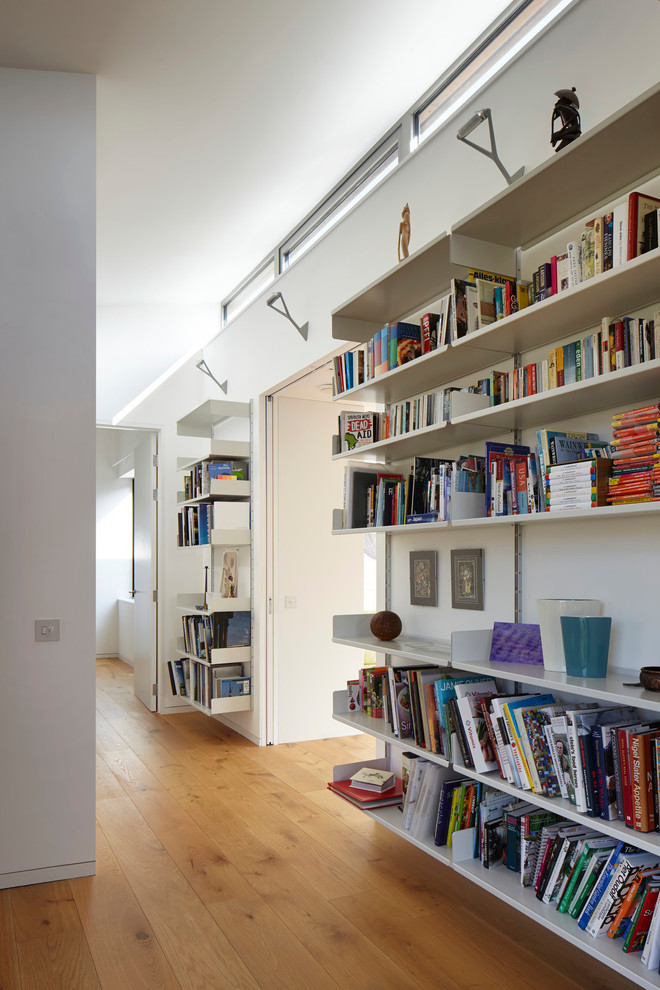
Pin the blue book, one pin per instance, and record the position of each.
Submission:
(621, 849)
(570, 365)
(422, 517)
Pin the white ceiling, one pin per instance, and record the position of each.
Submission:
(221, 124)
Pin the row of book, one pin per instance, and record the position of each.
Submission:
(608, 886)
(471, 303)
(481, 299)
(202, 684)
(197, 481)
(605, 761)
(196, 522)
(620, 343)
(219, 630)
(568, 470)
(376, 496)
(605, 242)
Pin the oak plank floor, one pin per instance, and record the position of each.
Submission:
(225, 865)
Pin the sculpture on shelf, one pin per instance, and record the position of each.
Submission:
(404, 233)
(385, 625)
(566, 110)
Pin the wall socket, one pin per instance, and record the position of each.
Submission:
(46, 630)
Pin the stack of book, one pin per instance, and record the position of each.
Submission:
(577, 484)
(511, 486)
(635, 473)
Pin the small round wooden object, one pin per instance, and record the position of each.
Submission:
(649, 678)
(385, 625)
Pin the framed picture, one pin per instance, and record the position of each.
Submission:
(467, 579)
(423, 583)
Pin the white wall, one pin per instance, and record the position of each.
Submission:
(442, 181)
(47, 323)
(114, 547)
(152, 336)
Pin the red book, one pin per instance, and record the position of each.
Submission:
(430, 332)
(553, 274)
(641, 780)
(367, 799)
(641, 921)
(624, 763)
(639, 204)
(619, 346)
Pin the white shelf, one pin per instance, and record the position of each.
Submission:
(576, 183)
(525, 519)
(189, 602)
(630, 287)
(618, 389)
(418, 279)
(505, 884)
(391, 529)
(221, 491)
(223, 657)
(573, 182)
(470, 651)
(378, 728)
(220, 706)
(230, 537)
(202, 420)
(235, 450)
(229, 490)
(353, 630)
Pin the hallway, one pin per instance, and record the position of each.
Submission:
(225, 865)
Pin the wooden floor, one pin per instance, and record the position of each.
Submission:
(225, 865)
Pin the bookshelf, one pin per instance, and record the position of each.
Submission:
(566, 188)
(225, 529)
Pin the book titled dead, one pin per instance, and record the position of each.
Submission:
(356, 429)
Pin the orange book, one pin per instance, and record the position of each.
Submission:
(629, 902)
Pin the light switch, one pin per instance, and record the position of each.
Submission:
(47, 630)
(290, 601)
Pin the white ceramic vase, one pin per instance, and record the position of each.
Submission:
(550, 611)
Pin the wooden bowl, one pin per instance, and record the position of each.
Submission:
(385, 625)
(649, 677)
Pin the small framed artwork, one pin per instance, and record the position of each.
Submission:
(423, 582)
(467, 579)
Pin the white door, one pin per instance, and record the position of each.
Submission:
(311, 575)
(145, 560)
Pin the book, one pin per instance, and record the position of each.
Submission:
(612, 897)
(371, 779)
(474, 725)
(364, 798)
(641, 921)
(463, 308)
(356, 429)
(430, 323)
(639, 204)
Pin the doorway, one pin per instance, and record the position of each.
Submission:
(311, 575)
(127, 554)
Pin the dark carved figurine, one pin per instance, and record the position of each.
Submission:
(566, 111)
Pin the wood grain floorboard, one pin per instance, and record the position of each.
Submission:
(9, 968)
(226, 866)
